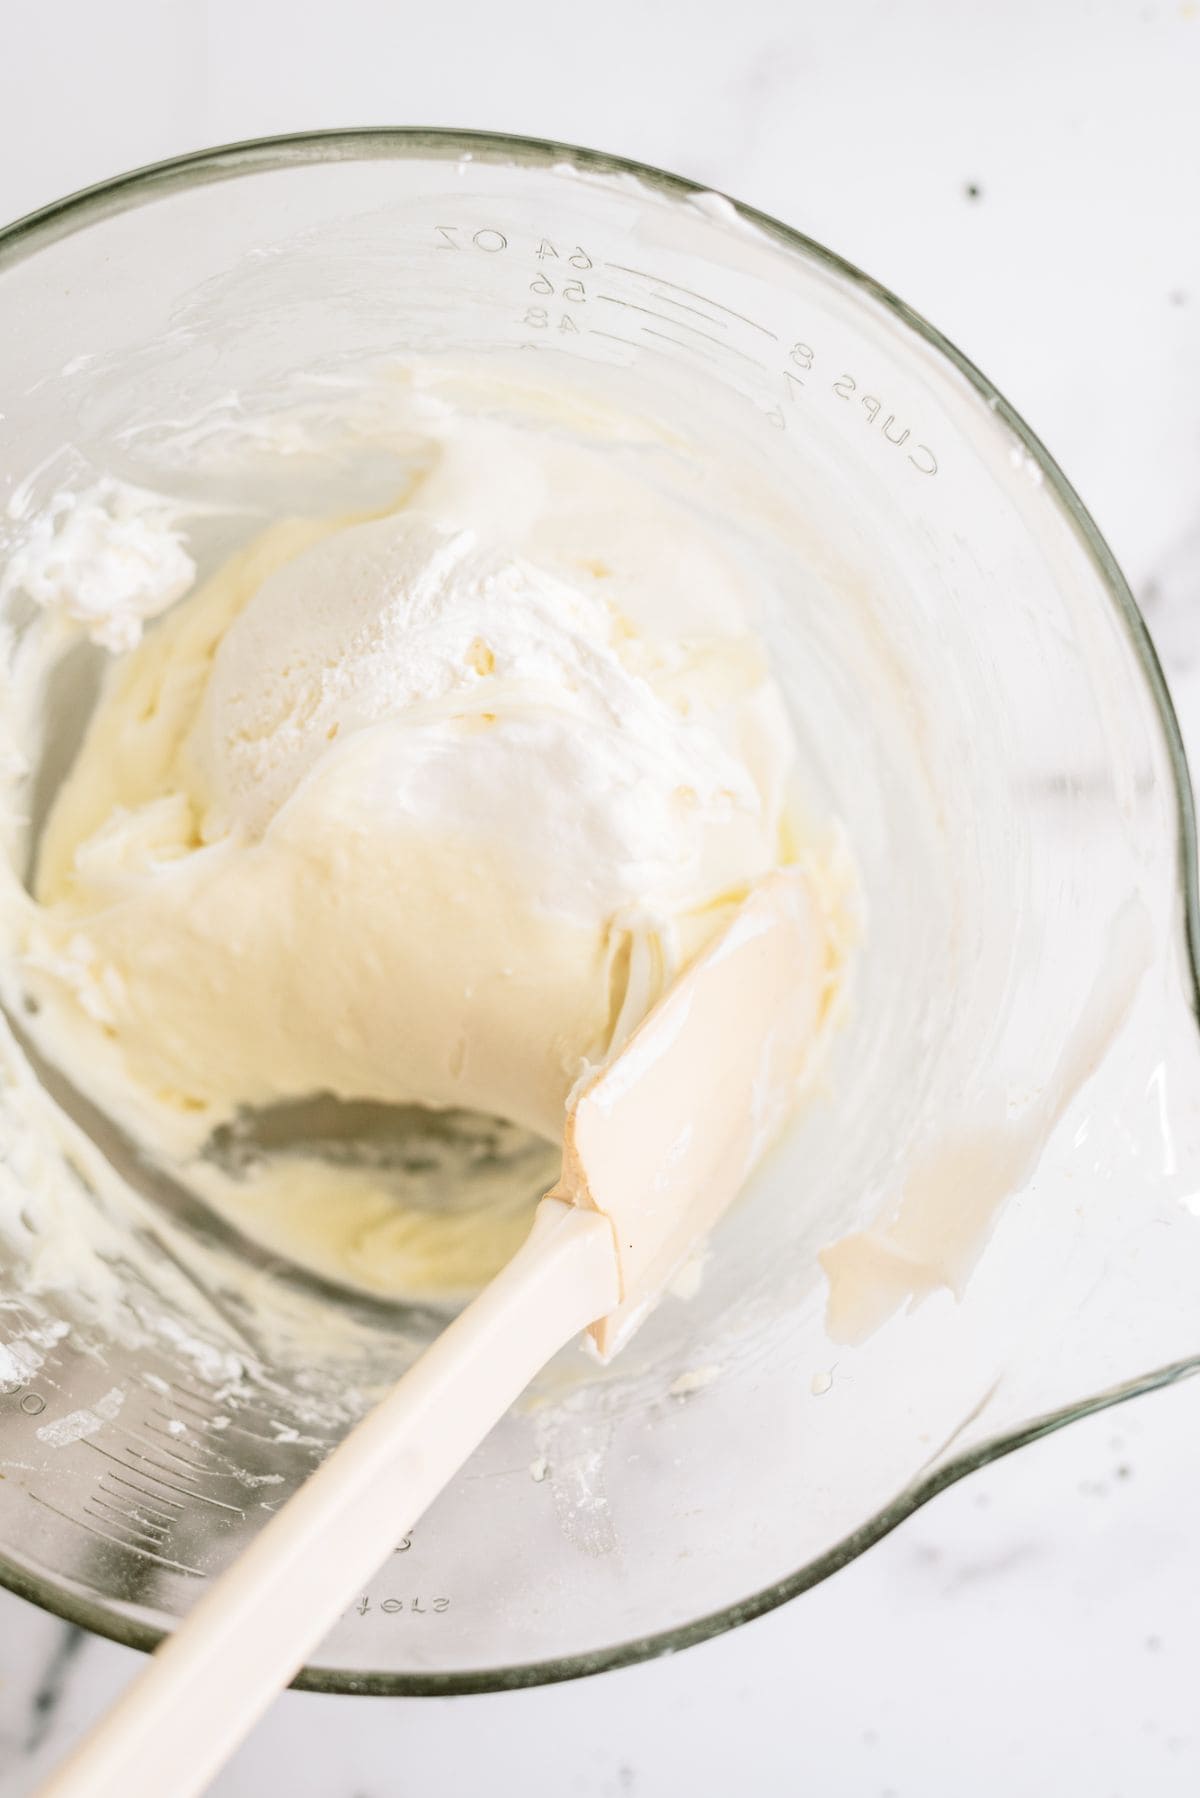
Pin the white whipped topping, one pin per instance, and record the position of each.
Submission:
(107, 558)
(599, 756)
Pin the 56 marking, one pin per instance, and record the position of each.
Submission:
(574, 291)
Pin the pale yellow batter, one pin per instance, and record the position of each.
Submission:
(426, 808)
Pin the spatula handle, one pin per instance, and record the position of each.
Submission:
(210, 1681)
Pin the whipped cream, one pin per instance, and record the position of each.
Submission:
(107, 558)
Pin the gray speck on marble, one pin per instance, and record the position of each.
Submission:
(990, 1569)
(51, 1688)
(1168, 600)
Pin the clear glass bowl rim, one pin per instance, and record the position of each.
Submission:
(25, 236)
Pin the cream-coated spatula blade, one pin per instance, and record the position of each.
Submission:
(664, 1136)
(656, 1144)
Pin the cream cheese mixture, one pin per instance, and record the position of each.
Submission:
(426, 808)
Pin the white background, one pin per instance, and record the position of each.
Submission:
(1036, 1629)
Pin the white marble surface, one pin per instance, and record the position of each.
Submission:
(1035, 1629)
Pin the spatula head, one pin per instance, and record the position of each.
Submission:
(664, 1136)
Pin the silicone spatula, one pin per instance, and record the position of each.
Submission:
(656, 1144)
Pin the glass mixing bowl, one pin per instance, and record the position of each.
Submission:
(975, 698)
